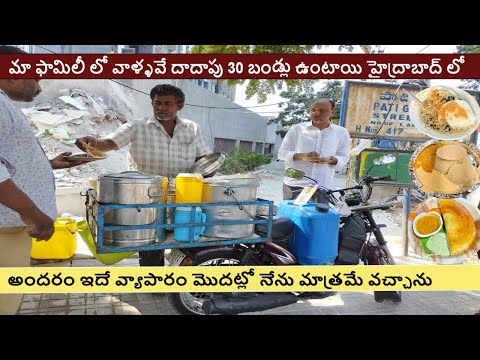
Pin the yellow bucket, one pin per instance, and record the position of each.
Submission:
(62, 245)
(188, 188)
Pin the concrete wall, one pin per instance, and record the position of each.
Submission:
(70, 201)
(218, 116)
(274, 138)
(214, 113)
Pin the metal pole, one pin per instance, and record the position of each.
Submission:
(406, 212)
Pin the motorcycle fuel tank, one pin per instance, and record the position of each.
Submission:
(315, 234)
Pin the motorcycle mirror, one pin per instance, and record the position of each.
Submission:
(384, 159)
(294, 173)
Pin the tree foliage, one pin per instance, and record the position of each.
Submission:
(469, 49)
(264, 87)
(239, 161)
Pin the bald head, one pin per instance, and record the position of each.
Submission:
(324, 101)
(320, 112)
(19, 89)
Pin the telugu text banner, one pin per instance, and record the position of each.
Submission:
(238, 278)
(237, 66)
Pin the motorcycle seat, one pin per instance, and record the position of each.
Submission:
(282, 227)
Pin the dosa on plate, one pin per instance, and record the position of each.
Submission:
(459, 226)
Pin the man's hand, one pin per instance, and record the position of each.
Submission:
(89, 140)
(306, 156)
(332, 160)
(314, 157)
(39, 225)
(62, 161)
(95, 147)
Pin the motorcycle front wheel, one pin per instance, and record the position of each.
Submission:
(191, 303)
(378, 255)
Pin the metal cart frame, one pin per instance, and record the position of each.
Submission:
(95, 219)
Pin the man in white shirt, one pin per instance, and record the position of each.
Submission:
(317, 147)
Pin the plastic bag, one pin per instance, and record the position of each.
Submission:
(106, 259)
(351, 239)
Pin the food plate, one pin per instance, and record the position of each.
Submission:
(442, 134)
(84, 157)
(314, 158)
(435, 176)
(419, 244)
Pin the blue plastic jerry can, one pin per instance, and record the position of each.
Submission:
(315, 234)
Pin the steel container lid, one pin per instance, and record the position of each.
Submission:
(208, 165)
(136, 176)
(232, 181)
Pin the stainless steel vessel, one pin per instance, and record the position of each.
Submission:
(230, 189)
(170, 211)
(132, 187)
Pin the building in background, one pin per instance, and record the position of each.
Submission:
(209, 102)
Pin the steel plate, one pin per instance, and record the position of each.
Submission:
(208, 165)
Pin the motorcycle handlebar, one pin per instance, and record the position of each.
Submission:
(327, 194)
(370, 179)
(356, 187)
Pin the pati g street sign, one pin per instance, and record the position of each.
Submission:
(379, 110)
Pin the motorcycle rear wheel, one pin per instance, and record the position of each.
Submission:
(186, 303)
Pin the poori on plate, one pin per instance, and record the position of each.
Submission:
(94, 153)
(84, 157)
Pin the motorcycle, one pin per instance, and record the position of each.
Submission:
(356, 246)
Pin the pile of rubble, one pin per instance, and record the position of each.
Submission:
(59, 121)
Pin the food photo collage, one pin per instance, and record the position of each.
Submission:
(445, 227)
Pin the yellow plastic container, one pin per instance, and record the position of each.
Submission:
(188, 188)
(164, 185)
(62, 245)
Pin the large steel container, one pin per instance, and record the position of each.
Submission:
(132, 187)
(230, 189)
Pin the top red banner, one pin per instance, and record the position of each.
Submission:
(235, 66)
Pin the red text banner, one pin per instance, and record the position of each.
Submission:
(236, 66)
